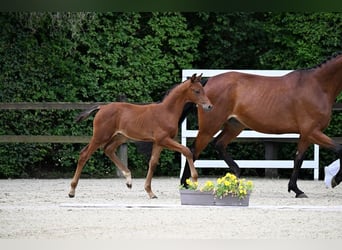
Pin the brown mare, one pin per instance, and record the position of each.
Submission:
(118, 122)
(299, 102)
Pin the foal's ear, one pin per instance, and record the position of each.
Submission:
(199, 77)
(193, 78)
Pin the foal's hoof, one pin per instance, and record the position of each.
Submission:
(302, 195)
(71, 195)
(129, 185)
(154, 197)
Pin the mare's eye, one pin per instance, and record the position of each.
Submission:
(197, 91)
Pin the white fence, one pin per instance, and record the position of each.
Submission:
(186, 133)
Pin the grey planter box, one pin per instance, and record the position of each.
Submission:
(197, 198)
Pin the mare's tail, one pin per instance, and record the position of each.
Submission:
(86, 113)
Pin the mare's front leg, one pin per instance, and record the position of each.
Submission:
(230, 131)
(207, 129)
(156, 150)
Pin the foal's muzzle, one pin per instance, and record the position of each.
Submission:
(207, 107)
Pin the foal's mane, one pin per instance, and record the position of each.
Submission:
(203, 82)
(172, 88)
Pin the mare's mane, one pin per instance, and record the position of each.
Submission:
(332, 57)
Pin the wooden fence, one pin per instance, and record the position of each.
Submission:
(45, 106)
(271, 146)
(122, 151)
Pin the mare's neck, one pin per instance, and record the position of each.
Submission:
(330, 76)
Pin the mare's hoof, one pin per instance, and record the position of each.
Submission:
(129, 185)
(302, 195)
(334, 182)
(71, 195)
(154, 197)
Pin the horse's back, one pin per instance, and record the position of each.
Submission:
(263, 103)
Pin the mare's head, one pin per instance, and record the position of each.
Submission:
(196, 93)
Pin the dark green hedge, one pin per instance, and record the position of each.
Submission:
(95, 57)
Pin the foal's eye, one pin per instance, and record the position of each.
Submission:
(197, 91)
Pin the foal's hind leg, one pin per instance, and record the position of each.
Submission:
(85, 154)
(110, 150)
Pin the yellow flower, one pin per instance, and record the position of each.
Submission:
(209, 184)
(227, 183)
(228, 175)
(191, 185)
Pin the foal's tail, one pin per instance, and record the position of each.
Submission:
(86, 113)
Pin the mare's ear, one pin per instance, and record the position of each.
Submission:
(193, 78)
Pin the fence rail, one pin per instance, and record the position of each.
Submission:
(122, 150)
(43, 139)
(46, 106)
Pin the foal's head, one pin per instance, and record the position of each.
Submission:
(196, 93)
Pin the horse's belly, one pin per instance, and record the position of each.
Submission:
(271, 124)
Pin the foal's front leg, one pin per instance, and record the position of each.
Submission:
(175, 146)
(156, 150)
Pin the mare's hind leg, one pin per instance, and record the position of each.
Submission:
(85, 154)
(318, 137)
(230, 131)
(337, 179)
(156, 150)
(292, 186)
(110, 150)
